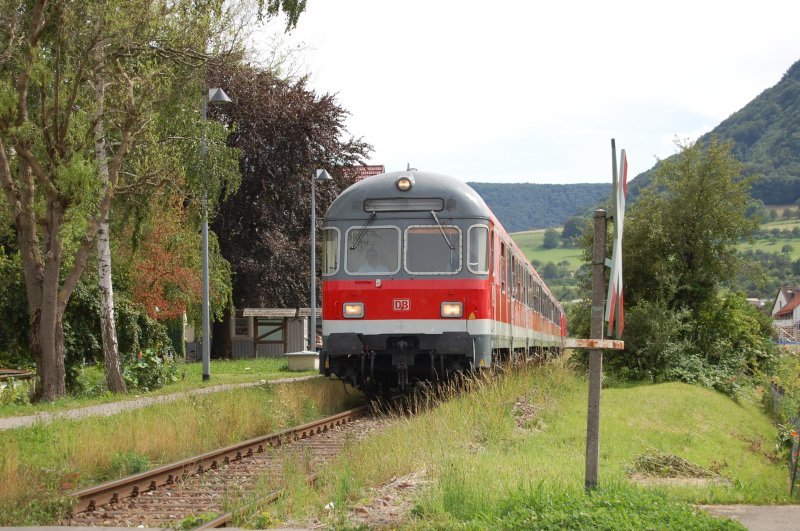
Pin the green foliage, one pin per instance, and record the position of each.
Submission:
(527, 206)
(82, 342)
(126, 463)
(681, 234)
(15, 392)
(14, 351)
(680, 248)
(550, 239)
(149, 369)
(614, 507)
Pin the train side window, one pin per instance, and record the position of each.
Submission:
(477, 250)
(513, 277)
(503, 271)
(508, 270)
(330, 251)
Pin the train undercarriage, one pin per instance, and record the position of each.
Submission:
(380, 364)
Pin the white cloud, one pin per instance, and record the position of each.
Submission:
(533, 91)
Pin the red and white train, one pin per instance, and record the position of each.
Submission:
(420, 280)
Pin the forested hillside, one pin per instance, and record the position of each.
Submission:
(766, 138)
(527, 206)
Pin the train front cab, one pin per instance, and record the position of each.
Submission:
(406, 293)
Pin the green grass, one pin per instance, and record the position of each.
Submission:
(189, 377)
(488, 471)
(40, 465)
(530, 242)
(772, 246)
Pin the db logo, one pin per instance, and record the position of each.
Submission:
(401, 305)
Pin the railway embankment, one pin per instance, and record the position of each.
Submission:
(41, 465)
(510, 454)
(503, 452)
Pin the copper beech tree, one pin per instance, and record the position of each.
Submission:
(284, 131)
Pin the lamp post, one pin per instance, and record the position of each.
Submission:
(316, 175)
(215, 96)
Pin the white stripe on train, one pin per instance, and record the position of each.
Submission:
(475, 327)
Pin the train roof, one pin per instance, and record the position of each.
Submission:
(460, 200)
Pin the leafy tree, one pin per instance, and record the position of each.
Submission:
(681, 234)
(680, 248)
(55, 55)
(284, 131)
(550, 239)
(574, 228)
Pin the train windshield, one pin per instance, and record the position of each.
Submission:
(373, 250)
(433, 250)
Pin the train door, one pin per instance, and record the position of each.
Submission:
(512, 296)
(493, 325)
(501, 301)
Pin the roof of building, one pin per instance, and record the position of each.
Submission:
(279, 312)
(793, 303)
(362, 172)
(792, 296)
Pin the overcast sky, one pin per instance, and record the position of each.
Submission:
(533, 91)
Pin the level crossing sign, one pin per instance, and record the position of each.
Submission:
(615, 309)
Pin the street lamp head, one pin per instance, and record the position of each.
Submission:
(322, 175)
(217, 96)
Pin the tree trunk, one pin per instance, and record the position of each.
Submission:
(108, 328)
(47, 330)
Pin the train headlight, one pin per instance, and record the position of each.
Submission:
(452, 309)
(353, 310)
(404, 183)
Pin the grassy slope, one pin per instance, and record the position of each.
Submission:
(774, 246)
(530, 242)
(482, 464)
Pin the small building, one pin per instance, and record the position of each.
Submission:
(263, 332)
(786, 315)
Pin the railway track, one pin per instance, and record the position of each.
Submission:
(208, 483)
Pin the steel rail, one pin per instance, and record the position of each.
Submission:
(132, 486)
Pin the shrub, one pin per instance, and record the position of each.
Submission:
(15, 392)
(150, 369)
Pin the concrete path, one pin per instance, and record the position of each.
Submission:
(112, 408)
(760, 517)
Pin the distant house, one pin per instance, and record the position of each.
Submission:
(786, 315)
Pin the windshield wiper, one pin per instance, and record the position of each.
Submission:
(363, 230)
(450, 245)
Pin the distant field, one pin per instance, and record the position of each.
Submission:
(780, 209)
(773, 246)
(783, 224)
(531, 244)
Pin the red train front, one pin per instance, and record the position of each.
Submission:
(419, 281)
